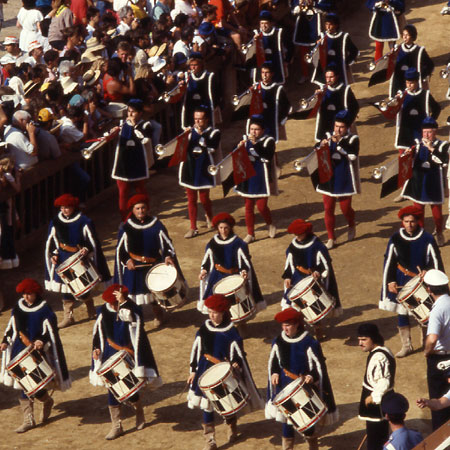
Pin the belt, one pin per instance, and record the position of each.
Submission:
(225, 270)
(68, 248)
(144, 259)
(291, 375)
(303, 270)
(119, 347)
(24, 339)
(211, 358)
(406, 271)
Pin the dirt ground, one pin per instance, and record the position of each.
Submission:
(80, 418)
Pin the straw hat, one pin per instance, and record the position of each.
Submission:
(90, 77)
(68, 85)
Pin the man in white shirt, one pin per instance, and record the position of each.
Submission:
(126, 19)
(23, 148)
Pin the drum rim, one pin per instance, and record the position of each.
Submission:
(235, 410)
(119, 356)
(308, 287)
(246, 316)
(87, 289)
(133, 391)
(216, 382)
(233, 291)
(321, 316)
(316, 419)
(153, 268)
(297, 388)
(26, 351)
(76, 258)
(40, 386)
(414, 290)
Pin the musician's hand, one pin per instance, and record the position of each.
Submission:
(323, 142)
(119, 296)
(408, 151)
(422, 273)
(368, 400)
(96, 354)
(169, 261)
(236, 365)
(244, 274)
(3, 346)
(392, 287)
(191, 377)
(287, 283)
(131, 265)
(422, 403)
(316, 275)
(38, 345)
(275, 379)
(84, 251)
(203, 274)
(54, 259)
(308, 379)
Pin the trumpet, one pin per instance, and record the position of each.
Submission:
(236, 98)
(166, 96)
(377, 173)
(305, 103)
(87, 153)
(298, 165)
(385, 104)
(373, 64)
(214, 169)
(444, 73)
(246, 47)
(310, 56)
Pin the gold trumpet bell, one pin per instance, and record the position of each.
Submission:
(235, 100)
(213, 170)
(444, 73)
(86, 153)
(372, 66)
(378, 172)
(298, 166)
(159, 150)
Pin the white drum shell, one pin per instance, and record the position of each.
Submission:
(78, 274)
(225, 392)
(416, 299)
(311, 299)
(168, 289)
(117, 373)
(244, 307)
(300, 404)
(30, 369)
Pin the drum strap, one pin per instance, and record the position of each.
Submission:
(222, 269)
(24, 339)
(144, 259)
(68, 248)
(406, 271)
(303, 270)
(119, 347)
(290, 374)
(211, 358)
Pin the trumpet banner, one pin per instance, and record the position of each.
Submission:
(178, 148)
(405, 169)
(256, 103)
(384, 68)
(324, 166)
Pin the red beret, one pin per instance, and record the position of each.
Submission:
(289, 315)
(217, 302)
(67, 200)
(29, 286)
(223, 217)
(108, 295)
(138, 198)
(410, 210)
(300, 226)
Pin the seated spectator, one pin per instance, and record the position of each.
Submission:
(48, 147)
(35, 54)
(11, 44)
(22, 147)
(74, 37)
(93, 21)
(126, 16)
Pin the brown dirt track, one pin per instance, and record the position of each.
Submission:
(81, 418)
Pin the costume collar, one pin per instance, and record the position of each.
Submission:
(270, 33)
(417, 92)
(415, 236)
(292, 340)
(336, 87)
(224, 242)
(268, 86)
(335, 35)
(408, 49)
(70, 219)
(23, 305)
(133, 222)
(205, 131)
(200, 77)
(306, 244)
(218, 329)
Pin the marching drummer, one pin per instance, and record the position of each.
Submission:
(296, 354)
(33, 323)
(217, 341)
(120, 326)
(71, 232)
(305, 256)
(409, 253)
(142, 242)
(226, 254)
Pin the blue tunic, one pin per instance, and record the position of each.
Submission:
(427, 183)
(35, 322)
(384, 23)
(418, 250)
(76, 231)
(307, 26)
(273, 51)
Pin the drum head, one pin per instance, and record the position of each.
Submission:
(68, 262)
(161, 277)
(228, 285)
(288, 391)
(409, 288)
(301, 287)
(214, 374)
(112, 361)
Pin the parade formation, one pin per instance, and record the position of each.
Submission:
(144, 289)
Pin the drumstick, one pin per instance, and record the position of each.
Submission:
(184, 390)
(362, 442)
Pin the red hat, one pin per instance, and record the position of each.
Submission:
(217, 302)
(67, 200)
(108, 295)
(138, 198)
(223, 217)
(300, 226)
(29, 286)
(289, 315)
(410, 210)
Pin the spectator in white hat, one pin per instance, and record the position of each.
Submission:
(11, 44)
(35, 54)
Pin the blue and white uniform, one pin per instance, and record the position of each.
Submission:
(384, 23)
(308, 24)
(273, 51)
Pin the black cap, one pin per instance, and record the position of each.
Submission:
(394, 404)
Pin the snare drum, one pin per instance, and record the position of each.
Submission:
(30, 369)
(416, 299)
(169, 290)
(78, 274)
(226, 392)
(300, 404)
(236, 289)
(118, 376)
(314, 302)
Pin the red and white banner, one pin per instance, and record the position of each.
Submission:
(324, 166)
(242, 166)
(178, 148)
(405, 168)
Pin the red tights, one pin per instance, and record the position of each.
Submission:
(436, 210)
(346, 207)
(192, 204)
(261, 204)
(124, 194)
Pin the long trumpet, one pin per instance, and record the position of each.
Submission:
(161, 149)
(386, 103)
(301, 163)
(246, 47)
(310, 56)
(373, 64)
(444, 73)
(87, 153)
(305, 103)
(214, 169)
(377, 173)
(236, 98)
(166, 96)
